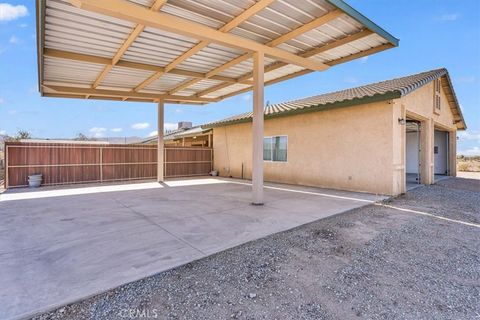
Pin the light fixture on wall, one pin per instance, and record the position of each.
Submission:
(401, 121)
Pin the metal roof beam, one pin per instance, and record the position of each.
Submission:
(309, 53)
(126, 44)
(125, 10)
(51, 89)
(77, 96)
(261, 4)
(302, 72)
(360, 54)
(315, 23)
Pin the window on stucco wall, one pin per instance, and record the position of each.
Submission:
(275, 148)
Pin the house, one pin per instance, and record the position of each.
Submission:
(380, 138)
(185, 135)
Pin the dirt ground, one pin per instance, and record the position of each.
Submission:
(468, 164)
(376, 262)
(468, 175)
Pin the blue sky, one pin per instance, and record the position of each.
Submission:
(432, 33)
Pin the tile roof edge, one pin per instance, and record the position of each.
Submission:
(391, 94)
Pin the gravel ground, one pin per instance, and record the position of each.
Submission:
(370, 263)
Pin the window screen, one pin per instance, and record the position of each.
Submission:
(267, 149)
(275, 148)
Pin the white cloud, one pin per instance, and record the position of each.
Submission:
(167, 126)
(247, 97)
(13, 40)
(97, 132)
(3, 132)
(350, 79)
(23, 25)
(140, 126)
(466, 79)
(469, 136)
(9, 12)
(116, 129)
(1, 100)
(178, 110)
(363, 59)
(33, 89)
(448, 17)
(475, 151)
(12, 111)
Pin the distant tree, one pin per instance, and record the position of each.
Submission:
(82, 137)
(22, 134)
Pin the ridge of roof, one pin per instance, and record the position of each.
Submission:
(373, 92)
(173, 134)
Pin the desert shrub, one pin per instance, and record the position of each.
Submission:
(463, 166)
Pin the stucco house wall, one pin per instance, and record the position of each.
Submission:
(419, 105)
(359, 148)
(345, 148)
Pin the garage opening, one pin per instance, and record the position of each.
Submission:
(412, 170)
(440, 154)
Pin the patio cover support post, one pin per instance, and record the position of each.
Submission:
(160, 146)
(257, 128)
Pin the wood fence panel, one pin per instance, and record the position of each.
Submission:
(82, 163)
(188, 161)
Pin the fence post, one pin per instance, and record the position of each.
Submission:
(101, 163)
(164, 162)
(211, 159)
(6, 166)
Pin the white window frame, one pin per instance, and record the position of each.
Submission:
(271, 151)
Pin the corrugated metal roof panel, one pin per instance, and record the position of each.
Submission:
(283, 71)
(157, 47)
(94, 34)
(125, 77)
(165, 83)
(224, 91)
(204, 84)
(145, 3)
(209, 58)
(73, 72)
(74, 30)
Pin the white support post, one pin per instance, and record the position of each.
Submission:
(160, 147)
(257, 128)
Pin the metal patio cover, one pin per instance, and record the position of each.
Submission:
(192, 51)
(195, 51)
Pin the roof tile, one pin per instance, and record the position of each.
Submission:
(399, 87)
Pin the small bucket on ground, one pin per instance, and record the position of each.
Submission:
(34, 180)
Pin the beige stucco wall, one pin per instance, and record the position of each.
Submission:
(345, 148)
(420, 102)
(419, 105)
(360, 148)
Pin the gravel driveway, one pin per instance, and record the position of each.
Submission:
(372, 263)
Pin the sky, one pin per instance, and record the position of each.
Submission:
(432, 33)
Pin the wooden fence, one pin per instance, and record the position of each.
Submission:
(62, 163)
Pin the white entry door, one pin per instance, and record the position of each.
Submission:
(440, 152)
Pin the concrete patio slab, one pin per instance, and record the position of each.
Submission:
(60, 245)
